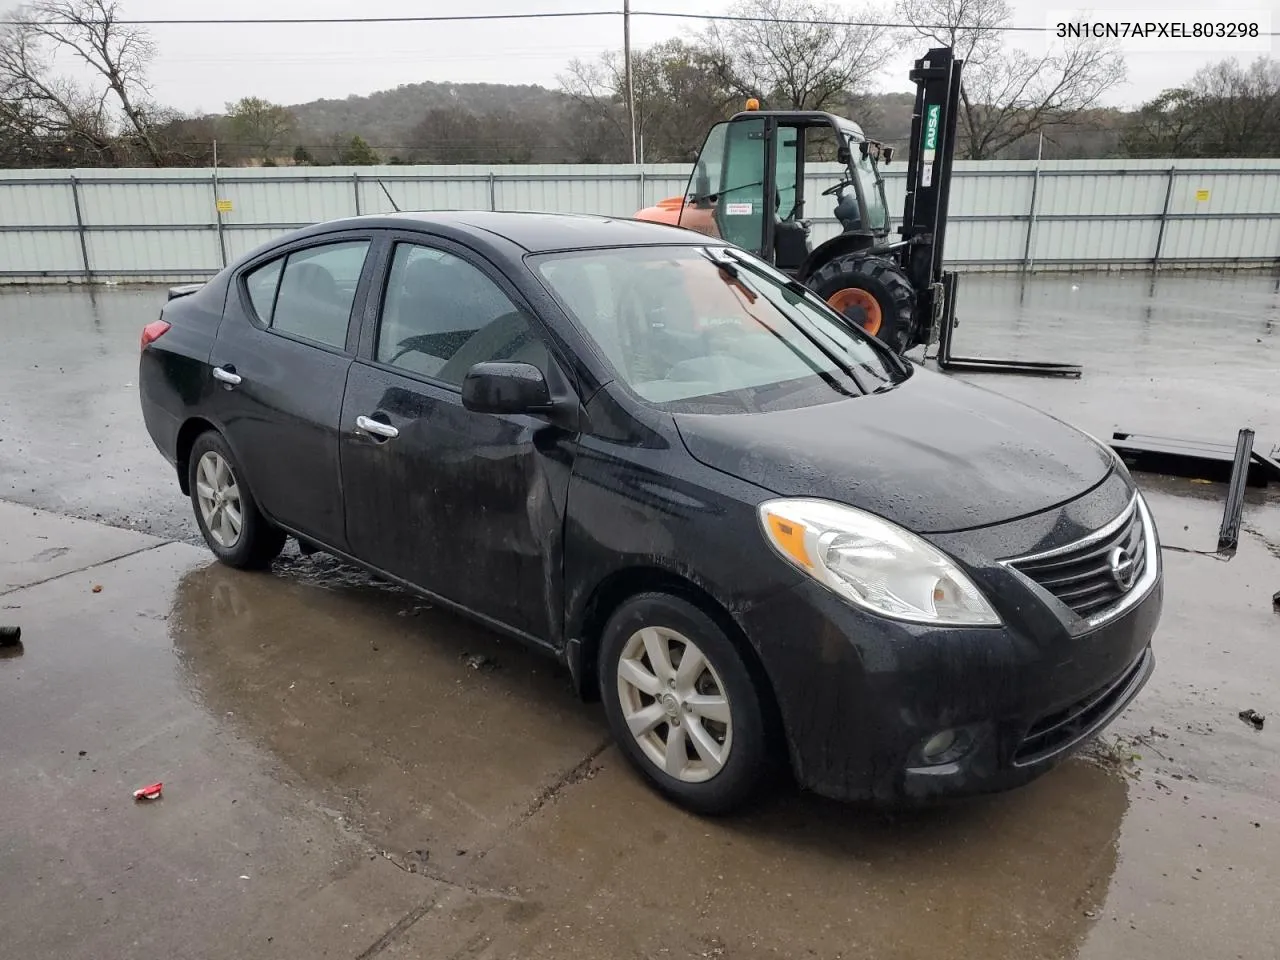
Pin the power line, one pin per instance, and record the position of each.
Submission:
(245, 21)
(470, 17)
(543, 15)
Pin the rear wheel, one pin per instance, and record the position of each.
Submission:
(228, 516)
(682, 705)
(871, 291)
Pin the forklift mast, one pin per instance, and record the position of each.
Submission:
(929, 162)
(924, 220)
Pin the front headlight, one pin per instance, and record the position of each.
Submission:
(874, 563)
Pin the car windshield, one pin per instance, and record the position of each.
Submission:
(714, 329)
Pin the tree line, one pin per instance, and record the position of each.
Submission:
(784, 52)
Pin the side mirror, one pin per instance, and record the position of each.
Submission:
(843, 155)
(887, 153)
(495, 387)
(864, 148)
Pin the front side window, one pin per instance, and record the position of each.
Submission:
(713, 330)
(441, 315)
(309, 293)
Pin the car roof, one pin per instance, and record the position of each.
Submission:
(540, 232)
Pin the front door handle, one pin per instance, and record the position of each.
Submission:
(226, 374)
(377, 428)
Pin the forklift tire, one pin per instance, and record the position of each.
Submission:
(871, 291)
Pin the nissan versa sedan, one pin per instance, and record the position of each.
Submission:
(757, 534)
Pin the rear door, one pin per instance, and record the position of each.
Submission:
(469, 506)
(281, 358)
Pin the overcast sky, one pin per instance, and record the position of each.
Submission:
(203, 67)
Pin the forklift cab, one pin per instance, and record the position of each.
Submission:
(747, 187)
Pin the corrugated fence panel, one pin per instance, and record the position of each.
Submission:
(46, 204)
(115, 252)
(117, 203)
(285, 200)
(1087, 213)
(1093, 242)
(1228, 240)
(37, 253)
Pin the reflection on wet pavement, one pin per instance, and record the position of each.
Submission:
(437, 763)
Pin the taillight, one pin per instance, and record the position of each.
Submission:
(153, 331)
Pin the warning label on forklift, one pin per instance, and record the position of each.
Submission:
(931, 117)
(737, 209)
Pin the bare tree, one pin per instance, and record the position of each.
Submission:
(116, 103)
(1226, 110)
(798, 53)
(260, 124)
(678, 95)
(1008, 93)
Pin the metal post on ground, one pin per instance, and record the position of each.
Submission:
(626, 62)
(1164, 217)
(1028, 262)
(493, 192)
(84, 244)
(355, 190)
(640, 204)
(217, 210)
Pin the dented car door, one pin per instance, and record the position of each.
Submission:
(468, 506)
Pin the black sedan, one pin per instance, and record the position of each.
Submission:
(757, 534)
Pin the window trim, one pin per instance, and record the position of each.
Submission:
(363, 283)
(371, 324)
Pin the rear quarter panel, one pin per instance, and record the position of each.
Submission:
(173, 371)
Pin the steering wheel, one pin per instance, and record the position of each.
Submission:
(832, 191)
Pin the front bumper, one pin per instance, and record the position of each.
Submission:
(859, 695)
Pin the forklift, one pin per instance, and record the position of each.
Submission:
(747, 188)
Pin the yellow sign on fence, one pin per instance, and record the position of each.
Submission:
(1202, 196)
(224, 206)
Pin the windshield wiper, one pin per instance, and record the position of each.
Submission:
(695, 198)
(734, 272)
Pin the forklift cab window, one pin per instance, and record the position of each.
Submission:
(872, 194)
(726, 192)
(785, 180)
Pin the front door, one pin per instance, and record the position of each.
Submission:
(281, 356)
(468, 506)
(726, 193)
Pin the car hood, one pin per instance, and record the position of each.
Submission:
(934, 455)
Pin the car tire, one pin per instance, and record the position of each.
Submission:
(220, 496)
(721, 758)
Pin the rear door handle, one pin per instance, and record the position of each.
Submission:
(226, 375)
(377, 428)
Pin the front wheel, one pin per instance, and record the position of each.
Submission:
(871, 291)
(228, 516)
(682, 704)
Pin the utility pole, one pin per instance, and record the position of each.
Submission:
(626, 60)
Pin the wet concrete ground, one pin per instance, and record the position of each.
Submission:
(351, 773)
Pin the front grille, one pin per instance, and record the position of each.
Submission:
(1059, 730)
(1081, 574)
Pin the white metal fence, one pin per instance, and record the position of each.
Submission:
(62, 226)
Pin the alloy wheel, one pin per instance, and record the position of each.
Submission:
(218, 495)
(675, 704)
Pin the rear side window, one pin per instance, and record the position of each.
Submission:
(310, 292)
(261, 283)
